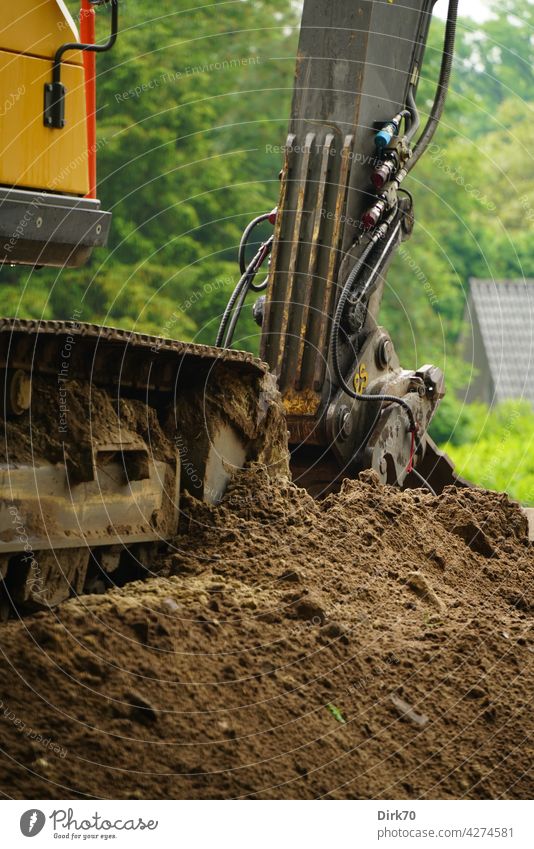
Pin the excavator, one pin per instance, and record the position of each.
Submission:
(105, 430)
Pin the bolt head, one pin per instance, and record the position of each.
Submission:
(344, 423)
(384, 353)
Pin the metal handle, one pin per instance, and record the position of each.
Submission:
(54, 92)
(92, 48)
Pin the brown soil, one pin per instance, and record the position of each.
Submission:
(375, 645)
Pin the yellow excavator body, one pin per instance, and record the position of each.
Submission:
(33, 155)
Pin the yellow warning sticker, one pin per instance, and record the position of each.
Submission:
(361, 379)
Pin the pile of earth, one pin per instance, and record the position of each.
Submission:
(373, 645)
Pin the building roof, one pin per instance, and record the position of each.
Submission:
(505, 313)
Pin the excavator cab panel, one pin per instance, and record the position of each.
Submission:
(49, 214)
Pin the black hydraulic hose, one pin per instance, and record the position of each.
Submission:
(237, 298)
(227, 312)
(336, 325)
(241, 286)
(376, 267)
(443, 84)
(415, 120)
(246, 236)
(249, 286)
(233, 318)
(423, 481)
(345, 292)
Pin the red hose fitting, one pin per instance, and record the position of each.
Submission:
(373, 215)
(382, 174)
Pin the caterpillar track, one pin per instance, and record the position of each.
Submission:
(103, 430)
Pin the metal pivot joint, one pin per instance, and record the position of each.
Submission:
(54, 92)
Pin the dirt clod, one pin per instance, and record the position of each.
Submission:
(141, 709)
(421, 585)
(310, 609)
(407, 711)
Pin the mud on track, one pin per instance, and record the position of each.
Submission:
(374, 645)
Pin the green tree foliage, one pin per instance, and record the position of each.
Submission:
(498, 453)
(187, 100)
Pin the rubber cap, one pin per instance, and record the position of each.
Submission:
(383, 138)
(370, 218)
(380, 176)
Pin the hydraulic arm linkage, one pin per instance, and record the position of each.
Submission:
(342, 213)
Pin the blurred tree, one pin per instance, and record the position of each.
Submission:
(498, 453)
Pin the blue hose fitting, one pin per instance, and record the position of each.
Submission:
(384, 136)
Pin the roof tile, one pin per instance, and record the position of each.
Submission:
(505, 311)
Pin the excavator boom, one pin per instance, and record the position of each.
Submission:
(342, 213)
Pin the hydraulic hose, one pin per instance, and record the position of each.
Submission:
(246, 236)
(415, 120)
(443, 84)
(376, 267)
(228, 310)
(423, 481)
(237, 298)
(233, 316)
(336, 325)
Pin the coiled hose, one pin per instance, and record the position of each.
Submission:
(246, 236)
